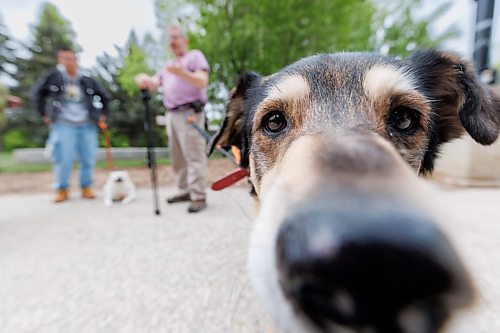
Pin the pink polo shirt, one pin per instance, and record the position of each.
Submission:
(177, 91)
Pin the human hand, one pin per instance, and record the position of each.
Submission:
(191, 119)
(102, 118)
(176, 69)
(14, 102)
(142, 81)
(46, 120)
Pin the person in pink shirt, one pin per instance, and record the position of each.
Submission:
(184, 81)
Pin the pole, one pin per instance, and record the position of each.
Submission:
(150, 149)
(482, 39)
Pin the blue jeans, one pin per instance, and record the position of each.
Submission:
(66, 140)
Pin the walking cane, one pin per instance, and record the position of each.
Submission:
(150, 152)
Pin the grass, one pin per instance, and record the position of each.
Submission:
(132, 163)
(8, 165)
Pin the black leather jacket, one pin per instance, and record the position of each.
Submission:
(51, 87)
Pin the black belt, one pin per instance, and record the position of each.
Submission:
(180, 107)
(197, 106)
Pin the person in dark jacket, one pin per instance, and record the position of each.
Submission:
(71, 104)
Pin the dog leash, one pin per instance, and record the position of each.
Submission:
(104, 128)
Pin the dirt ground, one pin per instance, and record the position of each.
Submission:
(141, 177)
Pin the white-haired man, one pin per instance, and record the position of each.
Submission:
(184, 81)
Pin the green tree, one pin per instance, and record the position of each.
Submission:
(172, 11)
(169, 12)
(126, 109)
(401, 32)
(133, 64)
(7, 52)
(7, 70)
(155, 51)
(261, 35)
(51, 32)
(266, 35)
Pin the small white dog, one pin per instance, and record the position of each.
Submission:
(118, 188)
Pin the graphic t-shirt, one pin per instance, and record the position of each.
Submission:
(73, 107)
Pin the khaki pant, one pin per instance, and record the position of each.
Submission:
(188, 153)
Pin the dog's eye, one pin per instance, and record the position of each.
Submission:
(403, 119)
(274, 122)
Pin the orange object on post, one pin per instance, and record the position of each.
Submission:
(237, 154)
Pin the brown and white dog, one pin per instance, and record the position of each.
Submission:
(345, 239)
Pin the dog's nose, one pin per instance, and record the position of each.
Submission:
(380, 266)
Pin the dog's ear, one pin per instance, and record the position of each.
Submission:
(232, 131)
(460, 100)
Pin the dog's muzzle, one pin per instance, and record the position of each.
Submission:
(366, 262)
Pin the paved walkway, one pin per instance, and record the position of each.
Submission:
(82, 267)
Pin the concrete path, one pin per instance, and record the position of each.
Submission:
(82, 267)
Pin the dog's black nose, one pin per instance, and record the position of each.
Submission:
(378, 265)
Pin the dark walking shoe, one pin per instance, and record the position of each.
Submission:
(196, 206)
(178, 198)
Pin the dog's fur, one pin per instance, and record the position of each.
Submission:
(335, 134)
(118, 188)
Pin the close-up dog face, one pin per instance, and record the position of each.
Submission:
(345, 239)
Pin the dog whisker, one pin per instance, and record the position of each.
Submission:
(238, 300)
(243, 211)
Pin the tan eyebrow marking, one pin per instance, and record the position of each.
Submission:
(383, 80)
(290, 87)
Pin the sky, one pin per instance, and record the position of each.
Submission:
(101, 24)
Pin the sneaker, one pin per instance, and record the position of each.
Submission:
(87, 193)
(178, 198)
(196, 206)
(61, 195)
